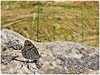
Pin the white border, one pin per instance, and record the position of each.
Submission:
(49, 0)
(99, 37)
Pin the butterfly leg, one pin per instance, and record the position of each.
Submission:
(28, 66)
(30, 69)
(21, 66)
(27, 63)
(24, 63)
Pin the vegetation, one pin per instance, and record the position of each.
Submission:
(67, 21)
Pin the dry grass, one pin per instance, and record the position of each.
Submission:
(68, 18)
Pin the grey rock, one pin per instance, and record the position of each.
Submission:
(60, 57)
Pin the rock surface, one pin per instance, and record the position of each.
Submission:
(60, 57)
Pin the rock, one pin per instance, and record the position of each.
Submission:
(60, 57)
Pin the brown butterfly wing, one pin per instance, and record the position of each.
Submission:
(31, 51)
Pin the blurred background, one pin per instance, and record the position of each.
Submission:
(53, 21)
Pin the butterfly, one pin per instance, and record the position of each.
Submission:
(30, 52)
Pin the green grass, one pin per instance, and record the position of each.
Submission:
(67, 21)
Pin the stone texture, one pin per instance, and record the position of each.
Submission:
(60, 57)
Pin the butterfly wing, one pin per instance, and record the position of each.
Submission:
(31, 51)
